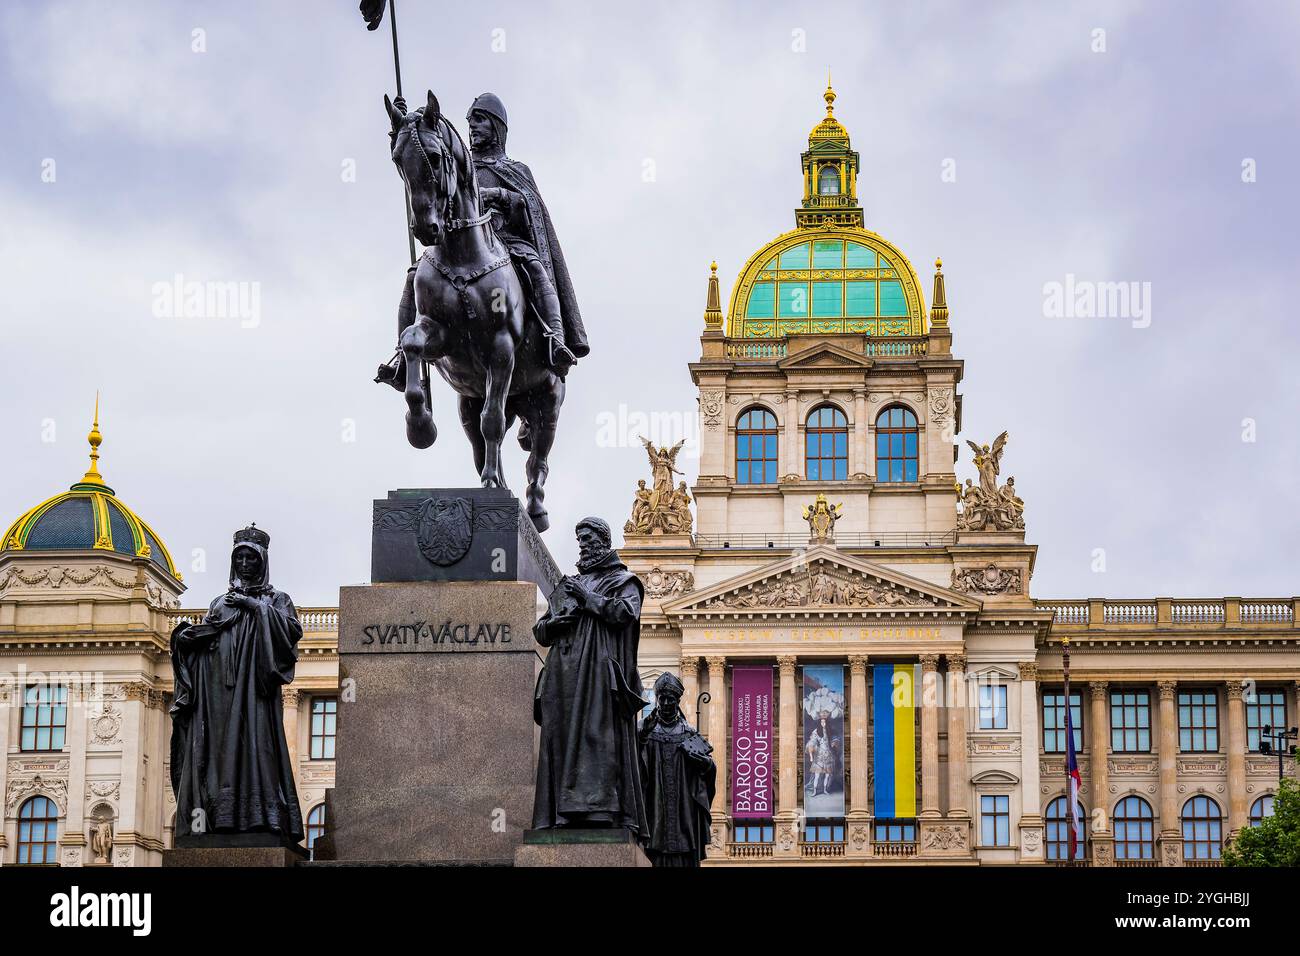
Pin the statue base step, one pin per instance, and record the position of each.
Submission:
(234, 853)
(614, 847)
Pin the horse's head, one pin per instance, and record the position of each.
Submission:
(435, 164)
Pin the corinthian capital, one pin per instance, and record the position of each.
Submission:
(1028, 670)
(1234, 689)
(1167, 688)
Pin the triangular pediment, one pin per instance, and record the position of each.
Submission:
(822, 580)
(823, 355)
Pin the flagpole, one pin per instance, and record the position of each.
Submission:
(1069, 746)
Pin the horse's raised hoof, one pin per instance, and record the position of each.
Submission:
(421, 432)
(541, 519)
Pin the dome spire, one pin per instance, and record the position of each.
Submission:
(713, 302)
(939, 302)
(829, 95)
(92, 480)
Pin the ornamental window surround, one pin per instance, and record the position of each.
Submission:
(1202, 829)
(1134, 822)
(756, 447)
(826, 443)
(1054, 720)
(44, 717)
(897, 445)
(1130, 721)
(1198, 721)
(1057, 826)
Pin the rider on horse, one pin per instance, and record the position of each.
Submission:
(523, 224)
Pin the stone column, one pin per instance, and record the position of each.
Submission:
(859, 747)
(689, 670)
(930, 736)
(291, 697)
(135, 723)
(718, 738)
(1031, 798)
(792, 454)
(1236, 756)
(863, 460)
(1170, 832)
(958, 767)
(788, 736)
(1101, 831)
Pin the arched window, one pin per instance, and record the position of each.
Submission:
(828, 445)
(1261, 808)
(315, 827)
(756, 447)
(38, 831)
(1202, 829)
(828, 181)
(897, 441)
(1135, 837)
(1058, 831)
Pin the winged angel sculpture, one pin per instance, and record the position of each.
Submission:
(987, 507)
(661, 507)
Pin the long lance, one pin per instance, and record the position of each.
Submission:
(397, 71)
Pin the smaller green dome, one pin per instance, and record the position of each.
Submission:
(87, 517)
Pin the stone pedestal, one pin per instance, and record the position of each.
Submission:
(435, 723)
(572, 847)
(232, 850)
(437, 669)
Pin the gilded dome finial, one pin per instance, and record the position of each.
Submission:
(92, 475)
(829, 95)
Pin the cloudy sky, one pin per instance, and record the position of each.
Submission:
(246, 142)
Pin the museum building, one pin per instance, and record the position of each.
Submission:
(855, 630)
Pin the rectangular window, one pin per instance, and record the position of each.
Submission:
(859, 299)
(324, 715)
(895, 831)
(1130, 721)
(1054, 721)
(762, 301)
(828, 254)
(993, 707)
(823, 833)
(44, 717)
(1198, 721)
(792, 300)
(762, 833)
(995, 820)
(1267, 708)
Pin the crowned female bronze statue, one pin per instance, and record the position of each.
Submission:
(230, 765)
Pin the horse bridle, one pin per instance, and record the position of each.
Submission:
(448, 225)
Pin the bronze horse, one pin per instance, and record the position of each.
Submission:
(470, 311)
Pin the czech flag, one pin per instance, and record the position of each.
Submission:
(1072, 774)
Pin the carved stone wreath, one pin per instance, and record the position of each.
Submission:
(987, 580)
(660, 583)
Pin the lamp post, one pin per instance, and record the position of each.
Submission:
(1275, 741)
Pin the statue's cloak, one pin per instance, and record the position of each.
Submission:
(514, 176)
(680, 780)
(587, 702)
(229, 755)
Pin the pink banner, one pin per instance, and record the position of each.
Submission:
(751, 737)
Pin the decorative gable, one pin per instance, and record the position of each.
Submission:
(823, 580)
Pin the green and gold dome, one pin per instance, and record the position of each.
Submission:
(830, 273)
(87, 517)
